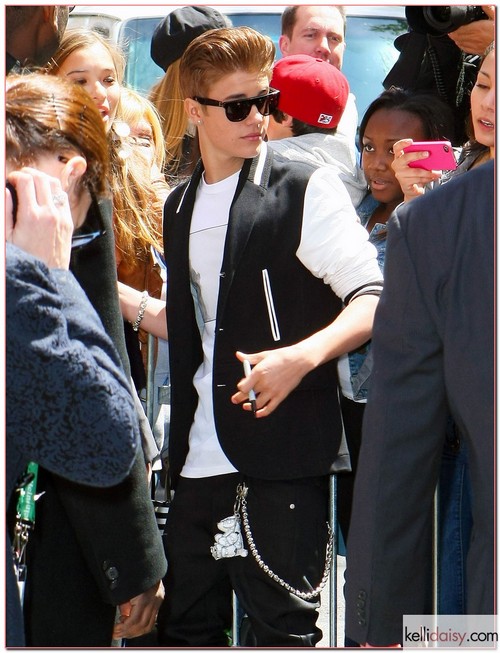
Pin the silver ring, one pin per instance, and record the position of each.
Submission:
(59, 199)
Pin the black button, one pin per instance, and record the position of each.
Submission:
(112, 573)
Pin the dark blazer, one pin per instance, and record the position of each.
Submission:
(302, 437)
(91, 550)
(433, 346)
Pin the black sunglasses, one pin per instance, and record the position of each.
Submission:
(238, 110)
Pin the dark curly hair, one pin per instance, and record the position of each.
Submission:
(435, 115)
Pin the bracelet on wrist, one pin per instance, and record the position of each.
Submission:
(142, 310)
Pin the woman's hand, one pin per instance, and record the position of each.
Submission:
(154, 319)
(411, 180)
(43, 225)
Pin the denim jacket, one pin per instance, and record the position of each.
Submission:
(378, 235)
(360, 360)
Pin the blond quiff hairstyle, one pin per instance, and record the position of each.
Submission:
(220, 52)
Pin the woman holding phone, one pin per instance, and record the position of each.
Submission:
(61, 367)
(479, 149)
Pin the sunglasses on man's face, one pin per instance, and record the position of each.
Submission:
(238, 110)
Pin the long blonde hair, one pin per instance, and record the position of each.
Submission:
(78, 38)
(166, 97)
(133, 107)
(137, 208)
(137, 204)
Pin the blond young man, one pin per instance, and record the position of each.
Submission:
(261, 253)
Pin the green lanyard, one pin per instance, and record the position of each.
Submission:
(26, 500)
(25, 521)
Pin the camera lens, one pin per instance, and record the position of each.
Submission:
(446, 19)
(440, 20)
(439, 14)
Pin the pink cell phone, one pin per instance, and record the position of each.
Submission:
(440, 155)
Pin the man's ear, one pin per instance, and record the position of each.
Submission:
(51, 16)
(278, 130)
(193, 111)
(72, 172)
(284, 44)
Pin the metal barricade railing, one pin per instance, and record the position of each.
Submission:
(332, 517)
(150, 372)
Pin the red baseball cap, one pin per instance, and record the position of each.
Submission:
(312, 90)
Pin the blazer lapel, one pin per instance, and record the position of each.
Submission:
(176, 244)
(176, 232)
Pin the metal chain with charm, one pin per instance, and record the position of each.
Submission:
(241, 494)
(229, 543)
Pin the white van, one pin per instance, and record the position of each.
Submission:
(370, 35)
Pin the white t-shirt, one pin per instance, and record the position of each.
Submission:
(206, 249)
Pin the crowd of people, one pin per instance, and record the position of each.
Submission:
(306, 301)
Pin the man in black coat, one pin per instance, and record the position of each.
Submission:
(433, 346)
(93, 550)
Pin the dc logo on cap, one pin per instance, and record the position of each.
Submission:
(324, 119)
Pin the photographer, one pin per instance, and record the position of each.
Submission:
(439, 54)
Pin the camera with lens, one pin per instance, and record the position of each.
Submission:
(438, 20)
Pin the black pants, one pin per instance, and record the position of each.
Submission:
(288, 522)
